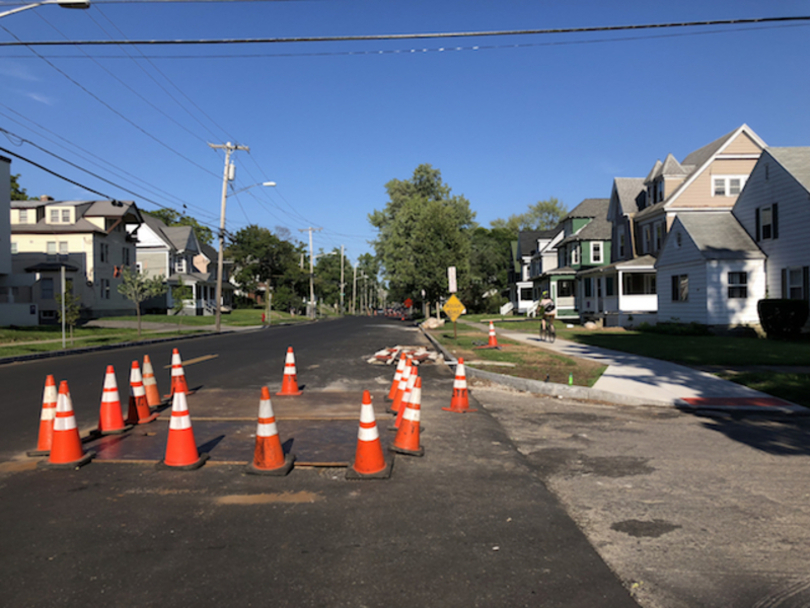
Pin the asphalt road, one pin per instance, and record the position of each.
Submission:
(470, 524)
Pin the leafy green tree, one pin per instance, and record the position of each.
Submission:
(327, 277)
(137, 288)
(542, 215)
(489, 265)
(18, 193)
(423, 229)
(260, 256)
(180, 292)
(170, 217)
(72, 307)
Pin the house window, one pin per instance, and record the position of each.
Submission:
(767, 222)
(795, 284)
(525, 293)
(54, 216)
(63, 247)
(638, 284)
(565, 288)
(46, 285)
(14, 248)
(139, 266)
(104, 288)
(621, 243)
(608, 286)
(659, 235)
(647, 239)
(596, 252)
(574, 255)
(680, 287)
(104, 252)
(588, 287)
(51, 248)
(660, 190)
(737, 284)
(125, 256)
(65, 216)
(23, 216)
(727, 185)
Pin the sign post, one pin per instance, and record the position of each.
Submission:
(453, 308)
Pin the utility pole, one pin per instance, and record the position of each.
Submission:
(354, 289)
(342, 284)
(311, 306)
(228, 175)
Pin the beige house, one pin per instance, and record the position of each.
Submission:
(87, 238)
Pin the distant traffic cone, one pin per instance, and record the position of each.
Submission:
(493, 339)
(139, 412)
(150, 384)
(406, 398)
(268, 457)
(181, 450)
(289, 384)
(460, 402)
(403, 385)
(66, 448)
(407, 439)
(110, 418)
(178, 375)
(369, 461)
(45, 438)
(397, 376)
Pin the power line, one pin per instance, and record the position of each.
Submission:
(413, 36)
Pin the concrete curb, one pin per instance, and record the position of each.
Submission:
(548, 388)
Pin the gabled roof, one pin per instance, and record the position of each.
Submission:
(180, 238)
(527, 240)
(718, 235)
(627, 191)
(598, 229)
(645, 262)
(590, 207)
(126, 210)
(796, 161)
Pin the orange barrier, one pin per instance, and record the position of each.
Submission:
(66, 448)
(397, 376)
(369, 461)
(110, 418)
(407, 439)
(181, 450)
(460, 403)
(268, 457)
(139, 412)
(45, 438)
(289, 384)
(150, 384)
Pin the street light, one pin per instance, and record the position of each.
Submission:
(62, 3)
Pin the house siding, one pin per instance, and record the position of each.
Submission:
(742, 144)
(790, 249)
(694, 309)
(722, 310)
(699, 194)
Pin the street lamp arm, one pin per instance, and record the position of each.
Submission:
(266, 184)
(62, 3)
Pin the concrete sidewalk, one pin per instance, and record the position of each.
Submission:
(659, 382)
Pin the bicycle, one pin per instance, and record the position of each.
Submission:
(549, 334)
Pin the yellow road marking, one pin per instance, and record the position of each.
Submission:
(193, 361)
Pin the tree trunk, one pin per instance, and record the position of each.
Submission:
(138, 310)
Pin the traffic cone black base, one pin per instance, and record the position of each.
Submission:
(162, 466)
(96, 433)
(289, 460)
(419, 452)
(383, 474)
(76, 464)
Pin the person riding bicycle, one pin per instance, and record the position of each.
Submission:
(549, 311)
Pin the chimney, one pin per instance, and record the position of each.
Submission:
(44, 198)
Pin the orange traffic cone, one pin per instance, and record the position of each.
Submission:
(178, 375)
(139, 412)
(45, 439)
(460, 402)
(66, 448)
(181, 450)
(369, 461)
(397, 376)
(289, 384)
(110, 418)
(493, 339)
(407, 439)
(268, 457)
(150, 384)
(403, 384)
(406, 398)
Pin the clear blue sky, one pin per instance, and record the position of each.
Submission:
(516, 120)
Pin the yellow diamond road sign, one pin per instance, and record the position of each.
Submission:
(453, 308)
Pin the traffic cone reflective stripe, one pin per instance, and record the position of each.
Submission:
(397, 377)
(369, 461)
(46, 418)
(181, 449)
(460, 402)
(407, 398)
(403, 385)
(178, 375)
(150, 384)
(268, 457)
(139, 412)
(289, 384)
(110, 418)
(407, 439)
(66, 449)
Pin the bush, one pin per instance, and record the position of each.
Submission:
(675, 329)
(782, 318)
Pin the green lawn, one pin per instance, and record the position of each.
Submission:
(793, 387)
(240, 317)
